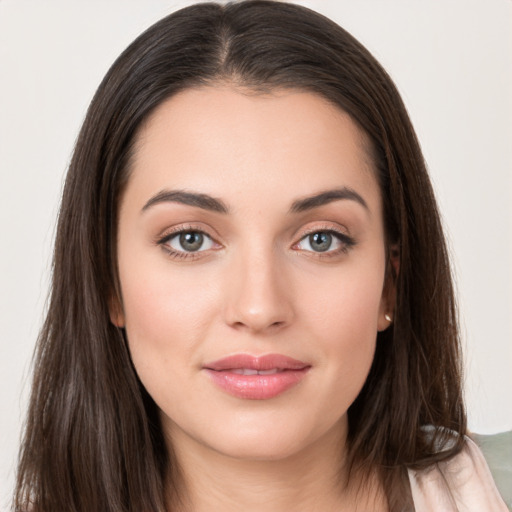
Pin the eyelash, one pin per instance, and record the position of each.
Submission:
(347, 242)
(163, 241)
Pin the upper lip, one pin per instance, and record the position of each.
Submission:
(264, 362)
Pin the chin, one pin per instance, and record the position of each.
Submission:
(271, 439)
(262, 448)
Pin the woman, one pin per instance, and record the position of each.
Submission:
(251, 302)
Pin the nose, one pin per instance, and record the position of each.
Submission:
(258, 293)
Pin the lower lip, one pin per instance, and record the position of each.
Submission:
(256, 387)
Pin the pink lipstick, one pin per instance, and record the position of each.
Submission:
(256, 377)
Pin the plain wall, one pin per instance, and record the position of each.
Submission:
(452, 62)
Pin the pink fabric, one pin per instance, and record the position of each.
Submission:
(462, 484)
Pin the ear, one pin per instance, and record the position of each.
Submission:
(115, 310)
(388, 299)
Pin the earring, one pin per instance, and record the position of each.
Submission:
(388, 318)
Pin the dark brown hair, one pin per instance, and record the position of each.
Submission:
(93, 440)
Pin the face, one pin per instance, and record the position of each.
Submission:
(252, 262)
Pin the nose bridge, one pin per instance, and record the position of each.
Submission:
(257, 297)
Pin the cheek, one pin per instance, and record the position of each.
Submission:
(166, 319)
(342, 315)
(166, 315)
(348, 302)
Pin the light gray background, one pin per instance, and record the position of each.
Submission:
(452, 62)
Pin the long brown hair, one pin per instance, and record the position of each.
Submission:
(93, 440)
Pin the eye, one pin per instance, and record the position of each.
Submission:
(188, 241)
(325, 241)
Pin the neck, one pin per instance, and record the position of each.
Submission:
(313, 479)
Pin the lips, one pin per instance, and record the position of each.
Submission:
(256, 378)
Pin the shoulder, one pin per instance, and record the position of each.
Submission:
(460, 484)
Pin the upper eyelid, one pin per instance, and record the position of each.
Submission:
(169, 233)
(323, 226)
(323, 229)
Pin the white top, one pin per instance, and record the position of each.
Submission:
(461, 484)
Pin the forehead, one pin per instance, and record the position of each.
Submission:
(227, 141)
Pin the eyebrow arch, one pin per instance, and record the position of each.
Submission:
(207, 202)
(203, 201)
(328, 196)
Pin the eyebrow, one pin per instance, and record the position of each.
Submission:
(328, 196)
(203, 201)
(207, 202)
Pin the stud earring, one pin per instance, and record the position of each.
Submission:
(388, 318)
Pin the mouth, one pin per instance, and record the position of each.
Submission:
(250, 371)
(256, 378)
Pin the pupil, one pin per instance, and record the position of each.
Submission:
(320, 241)
(191, 241)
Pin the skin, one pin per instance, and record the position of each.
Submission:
(257, 285)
